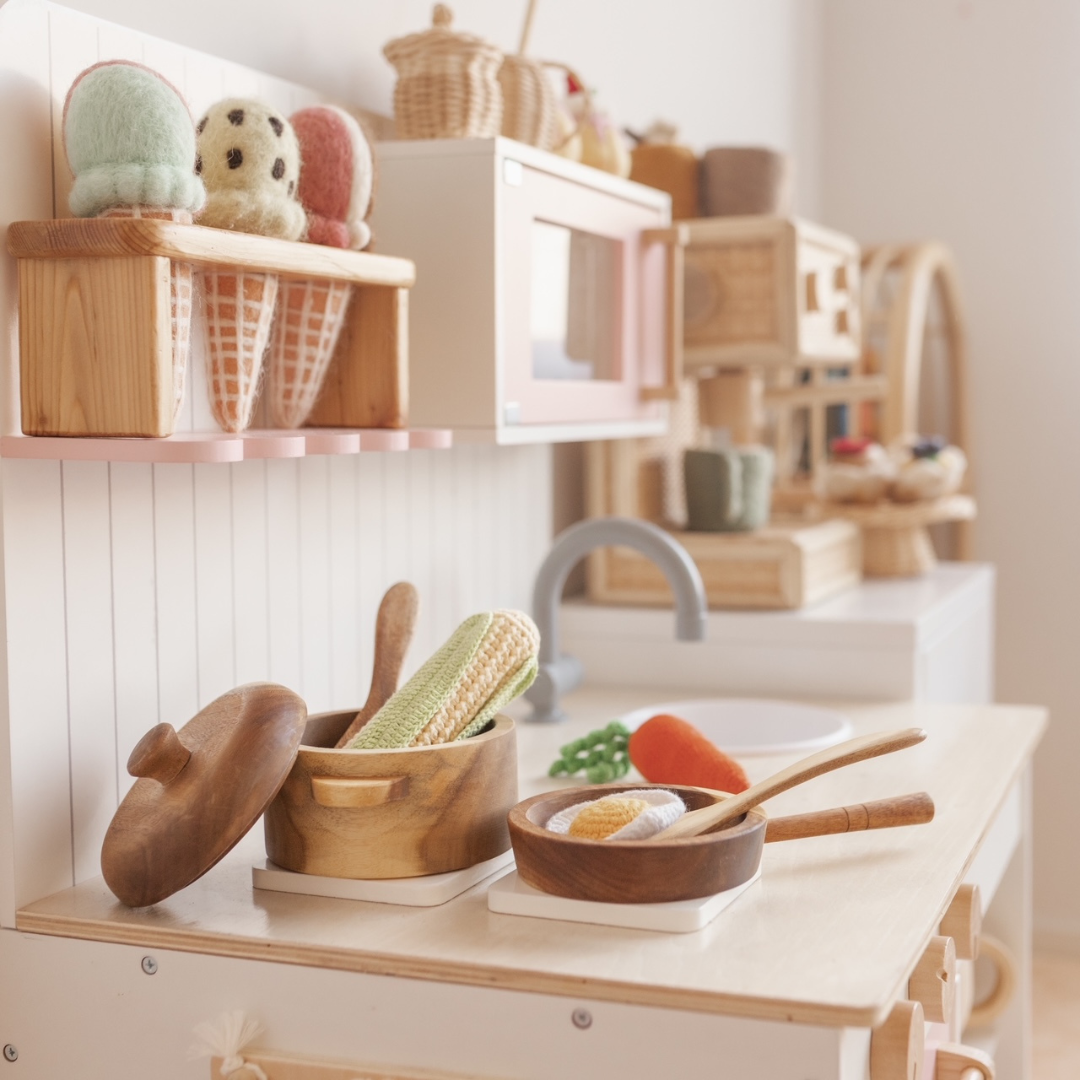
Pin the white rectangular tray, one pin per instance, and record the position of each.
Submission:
(429, 891)
(511, 896)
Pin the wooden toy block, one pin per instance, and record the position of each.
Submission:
(769, 291)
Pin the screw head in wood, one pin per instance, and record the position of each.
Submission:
(582, 1019)
(149, 965)
(11, 1053)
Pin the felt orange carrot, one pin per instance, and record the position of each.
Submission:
(667, 750)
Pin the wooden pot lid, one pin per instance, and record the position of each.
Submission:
(200, 790)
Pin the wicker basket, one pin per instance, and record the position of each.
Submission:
(529, 103)
(447, 86)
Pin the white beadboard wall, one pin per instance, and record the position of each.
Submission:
(137, 593)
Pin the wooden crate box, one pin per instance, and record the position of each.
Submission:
(789, 564)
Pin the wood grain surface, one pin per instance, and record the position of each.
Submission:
(897, 1045)
(367, 383)
(200, 790)
(835, 757)
(95, 347)
(963, 922)
(394, 626)
(444, 808)
(95, 238)
(933, 982)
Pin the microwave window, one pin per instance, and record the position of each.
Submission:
(574, 308)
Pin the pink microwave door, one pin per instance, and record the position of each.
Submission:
(582, 303)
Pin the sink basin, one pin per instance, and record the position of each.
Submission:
(743, 726)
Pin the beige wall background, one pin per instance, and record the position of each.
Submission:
(954, 119)
(961, 120)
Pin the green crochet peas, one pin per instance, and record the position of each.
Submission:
(603, 754)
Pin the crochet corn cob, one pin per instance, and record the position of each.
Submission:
(488, 661)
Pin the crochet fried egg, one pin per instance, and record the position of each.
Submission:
(627, 815)
(249, 160)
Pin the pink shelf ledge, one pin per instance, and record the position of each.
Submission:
(210, 447)
(200, 447)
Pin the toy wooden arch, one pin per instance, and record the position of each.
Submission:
(914, 332)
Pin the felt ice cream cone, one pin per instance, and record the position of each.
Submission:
(249, 159)
(309, 321)
(239, 313)
(130, 142)
(335, 192)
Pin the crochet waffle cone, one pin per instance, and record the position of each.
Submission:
(309, 320)
(181, 289)
(488, 661)
(239, 314)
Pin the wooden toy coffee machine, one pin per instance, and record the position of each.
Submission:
(786, 344)
(771, 340)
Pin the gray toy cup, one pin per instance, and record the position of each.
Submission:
(728, 490)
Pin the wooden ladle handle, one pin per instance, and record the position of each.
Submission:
(159, 755)
(394, 625)
(835, 757)
(916, 809)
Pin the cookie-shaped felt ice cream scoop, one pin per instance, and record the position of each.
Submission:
(249, 159)
(335, 191)
(130, 142)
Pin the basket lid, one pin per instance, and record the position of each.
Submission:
(440, 39)
(200, 789)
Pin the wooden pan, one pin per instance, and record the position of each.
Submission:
(659, 871)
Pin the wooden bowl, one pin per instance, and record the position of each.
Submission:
(632, 871)
(393, 813)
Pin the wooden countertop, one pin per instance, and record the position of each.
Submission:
(827, 936)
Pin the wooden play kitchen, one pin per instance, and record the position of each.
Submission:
(144, 576)
(817, 969)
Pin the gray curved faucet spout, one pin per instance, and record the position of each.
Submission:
(558, 674)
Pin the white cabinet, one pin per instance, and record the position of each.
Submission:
(901, 639)
(548, 298)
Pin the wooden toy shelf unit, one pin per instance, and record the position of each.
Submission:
(93, 373)
(96, 355)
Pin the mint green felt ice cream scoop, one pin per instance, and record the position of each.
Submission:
(130, 141)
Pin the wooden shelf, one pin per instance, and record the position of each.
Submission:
(82, 238)
(893, 515)
(211, 447)
(96, 356)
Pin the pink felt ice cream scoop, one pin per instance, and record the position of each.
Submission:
(337, 176)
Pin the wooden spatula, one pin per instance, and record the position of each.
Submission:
(835, 757)
(393, 632)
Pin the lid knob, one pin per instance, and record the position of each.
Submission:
(442, 17)
(159, 755)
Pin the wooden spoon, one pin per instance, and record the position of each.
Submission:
(836, 757)
(394, 626)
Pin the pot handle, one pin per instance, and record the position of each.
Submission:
(351, 793)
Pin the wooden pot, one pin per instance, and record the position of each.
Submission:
(393, 813)
(633, 871)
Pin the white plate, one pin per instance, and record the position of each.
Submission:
(754, 725)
